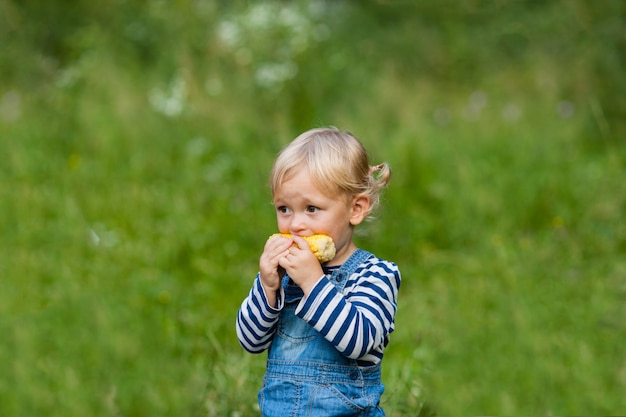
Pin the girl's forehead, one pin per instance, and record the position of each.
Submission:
(307, 190)
(303, 177)
(297, 180)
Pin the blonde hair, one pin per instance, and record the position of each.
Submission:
(338, 163)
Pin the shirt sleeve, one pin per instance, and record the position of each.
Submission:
(359, 320)
(256, 320)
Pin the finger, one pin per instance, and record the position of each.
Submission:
(284, 263)
(274, 247)
(273, 240)
(280, 238)
(283, 255)
(300, 242)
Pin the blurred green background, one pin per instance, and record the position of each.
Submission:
(136, 139)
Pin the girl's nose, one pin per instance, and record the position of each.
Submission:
(297, 224)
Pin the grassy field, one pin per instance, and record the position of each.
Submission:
(134, 207)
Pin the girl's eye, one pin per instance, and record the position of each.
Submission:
(312, 209)
(282, 209)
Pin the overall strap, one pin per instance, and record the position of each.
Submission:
(341, 275)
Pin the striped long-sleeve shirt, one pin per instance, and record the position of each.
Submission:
(357, 320)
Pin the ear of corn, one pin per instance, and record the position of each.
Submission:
(322, 246)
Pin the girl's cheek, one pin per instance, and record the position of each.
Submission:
(283, 225)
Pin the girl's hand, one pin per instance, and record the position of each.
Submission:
(301, 264)
(270, 271)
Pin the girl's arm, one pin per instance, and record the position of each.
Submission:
(359, 321)
(256, 321)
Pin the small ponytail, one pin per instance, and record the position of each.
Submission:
(381, 174)
(379, 177)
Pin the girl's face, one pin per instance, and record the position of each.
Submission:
(303, 209)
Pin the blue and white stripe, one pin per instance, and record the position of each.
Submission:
(357, 321)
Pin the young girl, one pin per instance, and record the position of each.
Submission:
(326, 325)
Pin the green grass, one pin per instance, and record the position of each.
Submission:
(129, 237)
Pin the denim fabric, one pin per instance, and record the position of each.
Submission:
(306, 375)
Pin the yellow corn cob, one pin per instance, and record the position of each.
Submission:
(322, 246)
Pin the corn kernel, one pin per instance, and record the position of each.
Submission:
(322, 246)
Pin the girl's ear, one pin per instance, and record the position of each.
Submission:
(359, 209)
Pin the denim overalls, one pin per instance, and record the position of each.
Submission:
(306, 375)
